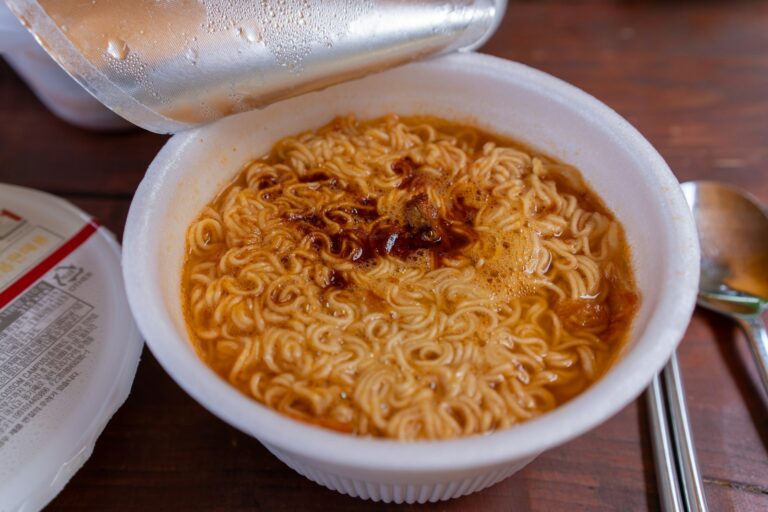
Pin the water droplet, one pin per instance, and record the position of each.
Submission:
(117, 49)
(191, 55)
(252, 34)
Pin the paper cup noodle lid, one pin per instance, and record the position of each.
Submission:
(69, 347)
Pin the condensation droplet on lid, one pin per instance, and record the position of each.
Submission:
(191, 55)
(117, 49)
(289, 28)
(251, 34)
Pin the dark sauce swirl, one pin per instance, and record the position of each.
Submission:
(359, 233)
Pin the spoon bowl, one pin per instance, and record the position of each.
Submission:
(733, 235)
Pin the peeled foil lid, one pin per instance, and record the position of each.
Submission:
(168, 66)
(69, 347)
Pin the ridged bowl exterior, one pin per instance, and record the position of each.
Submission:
(392, 488)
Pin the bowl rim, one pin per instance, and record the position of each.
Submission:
(621, 385)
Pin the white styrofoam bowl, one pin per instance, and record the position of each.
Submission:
(495, 94)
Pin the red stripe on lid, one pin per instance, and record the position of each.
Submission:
(26, 280)
(10, 215)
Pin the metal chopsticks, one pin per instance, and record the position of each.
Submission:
(677, 470)
(663, 449)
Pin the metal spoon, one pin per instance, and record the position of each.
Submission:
(733, 232)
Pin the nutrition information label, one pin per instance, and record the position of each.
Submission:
(45, 333)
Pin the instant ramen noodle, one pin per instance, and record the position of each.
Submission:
(409, 278)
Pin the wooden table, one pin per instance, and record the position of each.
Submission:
(691, 76)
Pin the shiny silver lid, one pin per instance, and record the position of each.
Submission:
(168, 65)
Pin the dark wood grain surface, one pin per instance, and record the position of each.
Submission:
(692, 76)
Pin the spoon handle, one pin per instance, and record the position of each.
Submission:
(754, 327)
